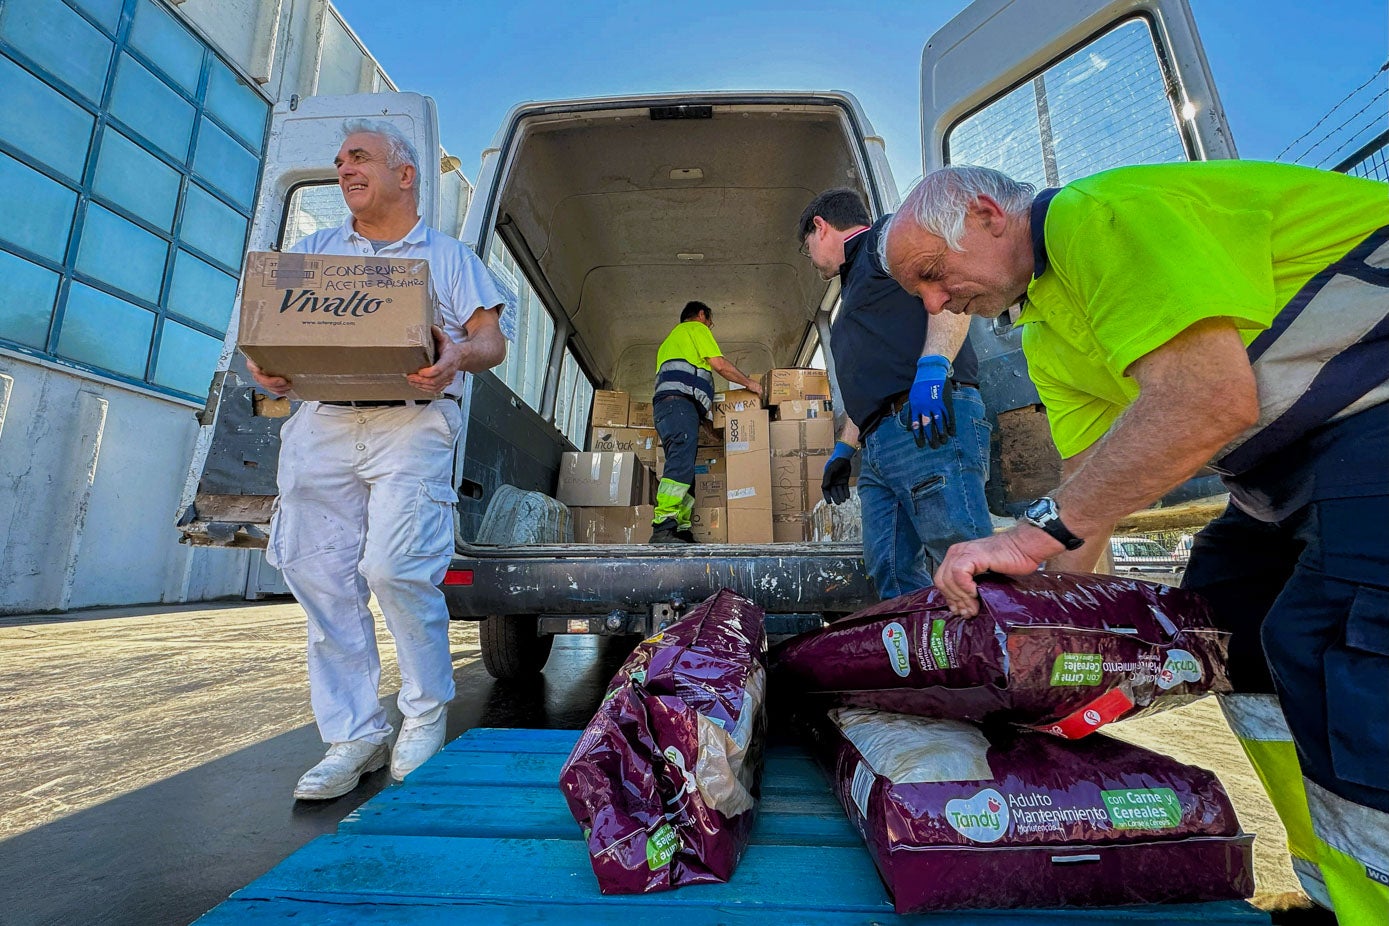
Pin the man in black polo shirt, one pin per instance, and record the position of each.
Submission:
(911, 397)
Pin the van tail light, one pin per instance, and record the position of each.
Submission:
(458, 577)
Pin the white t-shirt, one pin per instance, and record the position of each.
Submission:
(459, 282)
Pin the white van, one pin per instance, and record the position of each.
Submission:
(612, 213)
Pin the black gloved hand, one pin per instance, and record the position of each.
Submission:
(835, 484)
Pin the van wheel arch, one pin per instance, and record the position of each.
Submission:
(512, 647)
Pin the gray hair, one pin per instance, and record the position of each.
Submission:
(940, 201)
(399, 149)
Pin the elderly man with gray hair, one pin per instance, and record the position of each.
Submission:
(366, 488)
(1232, 314)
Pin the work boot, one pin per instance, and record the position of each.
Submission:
(665, 532)
(340, 770)
(416, 744)
(686, 535)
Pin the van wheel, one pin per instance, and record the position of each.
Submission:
(511, 648)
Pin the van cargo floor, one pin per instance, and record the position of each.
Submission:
(481, 834)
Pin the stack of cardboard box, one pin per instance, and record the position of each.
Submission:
(748, 462)
(802, 438)
(611, 489)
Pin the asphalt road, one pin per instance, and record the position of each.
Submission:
(147, 757)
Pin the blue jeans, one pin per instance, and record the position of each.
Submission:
(917, 501)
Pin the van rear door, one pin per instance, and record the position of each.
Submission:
(231, 488)
(1048, 92)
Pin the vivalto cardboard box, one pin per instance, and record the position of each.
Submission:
(639, 415)
(339, 328)
(604, 480)
(794, 385)
(641, 441)
(630, 524)
(709, 525)
(734, 400)
(796, 409)
(610, 409)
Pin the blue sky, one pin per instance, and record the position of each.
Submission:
(1279, 64)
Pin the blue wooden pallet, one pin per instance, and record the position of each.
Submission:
(481, 834)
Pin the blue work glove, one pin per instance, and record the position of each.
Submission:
(835, 484)
(930, 406)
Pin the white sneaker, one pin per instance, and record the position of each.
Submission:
(340, 770)
(416, 743)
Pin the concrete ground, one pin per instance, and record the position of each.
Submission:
(147, 756)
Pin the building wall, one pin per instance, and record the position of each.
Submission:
(107, 343)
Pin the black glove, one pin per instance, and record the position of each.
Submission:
(835, 484)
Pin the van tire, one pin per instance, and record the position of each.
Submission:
(511, 648)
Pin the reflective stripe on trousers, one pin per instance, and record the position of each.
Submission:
(1340, 850)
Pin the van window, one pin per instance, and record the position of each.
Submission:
(312, 207)
(529, 355)
(1102, 106)
(573, 400)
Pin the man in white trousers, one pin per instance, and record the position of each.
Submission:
(366, 488)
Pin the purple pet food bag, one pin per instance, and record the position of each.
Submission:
(665, 779)
(956, 816)
(1060, 652)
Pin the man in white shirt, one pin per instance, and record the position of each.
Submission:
(366, 489)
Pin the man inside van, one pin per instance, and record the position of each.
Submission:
(685, 366)
(911, 401)
(366, 488)
(1234, 313)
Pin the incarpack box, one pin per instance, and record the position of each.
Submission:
(641, 441)
(338, 328)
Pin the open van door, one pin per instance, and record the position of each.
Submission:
(230, 491)
(1048, 91)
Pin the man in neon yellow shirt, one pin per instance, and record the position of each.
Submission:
(1231, 313)
(685, 366)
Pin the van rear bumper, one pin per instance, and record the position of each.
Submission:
(785, 579)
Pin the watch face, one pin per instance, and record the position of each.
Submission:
(1041, 510)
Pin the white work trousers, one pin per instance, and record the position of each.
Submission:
(366, 506)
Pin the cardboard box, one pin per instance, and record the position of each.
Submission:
(339, 328)
(746, 432)
(734, 400)
(750, 525)
(797, 409)
(604, 480)
(811, 434)
(710, 436)
(710, 460)
(709, 525)
(796, 482)
(610, 409)
(630, 524)
(794, 384)
(791, 528)
(639, 415)
(750, 480)
(641, 441)
(710, 490)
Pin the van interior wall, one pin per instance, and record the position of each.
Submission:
(630, 218)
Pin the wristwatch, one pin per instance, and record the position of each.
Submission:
(1043, 513)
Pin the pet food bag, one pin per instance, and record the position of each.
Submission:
(956, 817)
(1064, 653)
(665, 778)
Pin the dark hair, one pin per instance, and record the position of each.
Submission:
(841, 207)
(692, 309)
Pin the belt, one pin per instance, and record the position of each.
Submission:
(381, 403)
(895, 404)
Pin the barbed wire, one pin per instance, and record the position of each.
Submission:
(1328, 114)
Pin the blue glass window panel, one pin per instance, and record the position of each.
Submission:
(134, 179)
(170, 46)
(42, 122)
(238, 107)
(227, 165)
(59, 40)
(37, 210)
(105, 331)
(106, 12)
(122, 253)
(26, 300)
(201, 292)
(213, 227)
(151, 107)
(186, 360)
